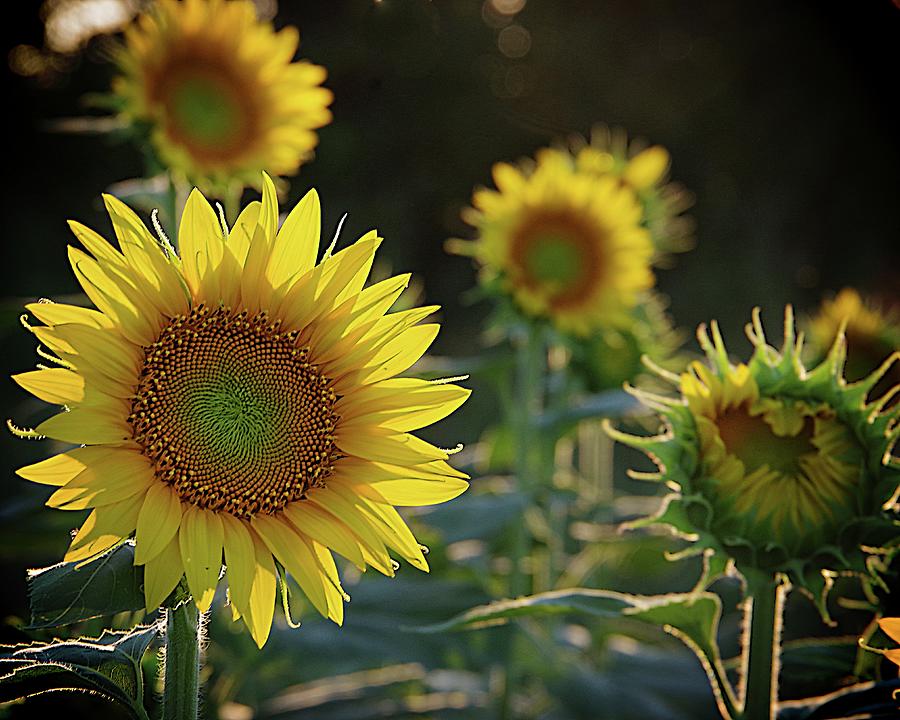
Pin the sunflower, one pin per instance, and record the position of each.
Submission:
(241, 399)
(219, 91)
(780, 468)
(644, 169)
(564, 245)
(872, 332)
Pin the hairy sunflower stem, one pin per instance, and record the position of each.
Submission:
(762, 650)
(181, 692)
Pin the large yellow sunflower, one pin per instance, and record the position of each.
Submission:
(565, 245)
(220, 92)
(240, 398)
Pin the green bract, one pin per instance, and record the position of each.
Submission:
(778, 468)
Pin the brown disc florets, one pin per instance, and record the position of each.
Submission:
(233, 414)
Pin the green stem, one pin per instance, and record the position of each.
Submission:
(763, 652)
(232, 202)
(181, 691)
(529, 386)
(178, 195)
(530, 370)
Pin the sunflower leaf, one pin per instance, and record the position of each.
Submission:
(109, 665)
(691, 617)
(607, 404)
(71, 592)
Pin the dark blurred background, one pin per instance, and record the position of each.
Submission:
(781, 117)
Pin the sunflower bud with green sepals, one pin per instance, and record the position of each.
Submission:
(779, 468)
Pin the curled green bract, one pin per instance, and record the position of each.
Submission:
(776, 467)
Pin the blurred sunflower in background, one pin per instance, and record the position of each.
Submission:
(872, 332)
(218, 93)
(645, 169)
(565, 246)
(239, 398)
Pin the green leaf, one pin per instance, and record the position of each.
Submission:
(593, 602)
(608, 404)
(109, 665)
(72, 592)
(691, 617)
(871, 700)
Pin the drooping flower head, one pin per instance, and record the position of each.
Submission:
(219, 91)
(564, 245)
(240, 398)
(780, 468)
(872, 332)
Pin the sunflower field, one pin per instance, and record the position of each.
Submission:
(476, 359)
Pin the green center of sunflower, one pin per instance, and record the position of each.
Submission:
(232, 413)
(553, 258)
(556, 253)
(205, 109)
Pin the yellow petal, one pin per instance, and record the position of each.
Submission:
(240, 561)
(138, 320)
(297, 242)
(86, 426)
(380, 444)
(334, 593)
(96, 244)
(268, 214)
(200, 242)
(259, 612)
(413, 492)
(51, 313)
(401, 404)
(104, 527)
(53, 385)
(162, 574)
(354, 285)
(256, 291)
(341, 272)
(326, 529)
(295, 555)
(200, 541)
(400, 354)
(60, 469)
(336, 504)
(109, 478)
(242, 232)
(104, 350)
(389, 526)
(157, 523)
(166, 288)
(647, 167)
